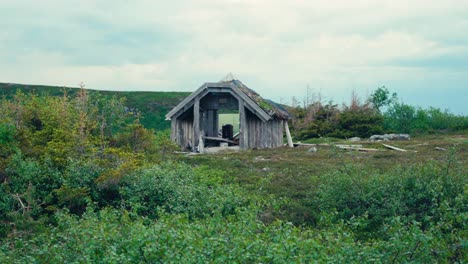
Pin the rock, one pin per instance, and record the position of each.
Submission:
(387, 137)
(265, 169)
(312, 150)
(354, 139)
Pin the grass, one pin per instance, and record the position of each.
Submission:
(291, 173)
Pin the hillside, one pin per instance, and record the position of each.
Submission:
(153, 105)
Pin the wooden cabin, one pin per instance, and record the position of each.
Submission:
(196, 119)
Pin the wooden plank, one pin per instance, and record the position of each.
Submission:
(220, 139)
(394, 148)
(185, 101)
(359, 149)
(188, 105)
(215, 123)
(299, 144)
(196, 123)
(351, 146)
(201, 144)
(174, 129)
(244, 131)
(288, 134)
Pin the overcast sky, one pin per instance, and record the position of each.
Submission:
(417, 48)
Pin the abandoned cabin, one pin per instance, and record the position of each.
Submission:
(196, 125)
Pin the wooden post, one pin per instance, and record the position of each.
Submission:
(243, 131)
(288, 134)
(196, 124)
(174, 129)
(201, 143)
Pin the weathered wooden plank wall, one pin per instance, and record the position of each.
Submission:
(263, 134)
(185, 132)
(209, 123)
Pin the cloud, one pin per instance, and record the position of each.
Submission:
(276, 47)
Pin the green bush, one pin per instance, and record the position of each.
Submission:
(113, 236)
(419, 193)
(174, 188)
(362, 122)
(403, 118)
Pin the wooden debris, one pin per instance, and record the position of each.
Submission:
(441, 149)
(299, 144)
(288, 134)
(201, 143)
(221, 139)
(181, 152)
(351, 146)
(394, 148)
(357, 149)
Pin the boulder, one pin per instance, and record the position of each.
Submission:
(387, 137)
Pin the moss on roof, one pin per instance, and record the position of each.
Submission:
(273, 109)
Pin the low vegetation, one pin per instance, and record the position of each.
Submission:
(83, 180)
(381, 112)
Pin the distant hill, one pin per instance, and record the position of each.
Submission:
(153, 105)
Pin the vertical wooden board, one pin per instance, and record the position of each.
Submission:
(258, 132)
(247, 134)
(182, 132)
(190, 133)
(173, 128)
(242, 125)
(263, 135)
(288, 134)
(252, 132)
(207, 126)
(274, 133)
(249, 127)
(270, 134)
(196, 123)
(281, 132)
(213, 126)
(243, 136)
(215, 122)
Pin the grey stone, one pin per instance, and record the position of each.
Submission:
(387, 137)
(312, 150)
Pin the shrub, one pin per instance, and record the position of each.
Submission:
(174, 188)
(411, 194)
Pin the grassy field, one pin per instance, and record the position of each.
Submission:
(152, 105)
(292, 173)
